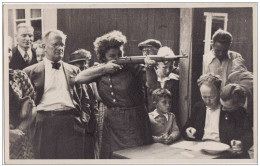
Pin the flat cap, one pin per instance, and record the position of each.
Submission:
(79, 55)
(150, 42)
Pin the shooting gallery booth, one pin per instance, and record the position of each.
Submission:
(185, 30)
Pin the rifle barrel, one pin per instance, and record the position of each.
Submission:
(140, 59)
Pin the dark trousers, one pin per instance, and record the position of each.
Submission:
(56, 137)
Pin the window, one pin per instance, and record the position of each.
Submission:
(214, 21)
(32, 17)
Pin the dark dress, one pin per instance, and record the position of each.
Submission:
(20, 88)
(126, 122)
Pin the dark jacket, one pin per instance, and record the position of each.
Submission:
(17, 60)
(36, 73)
(232, 125)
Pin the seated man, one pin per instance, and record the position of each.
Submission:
(236, 130)
(163, 123)
(228, 123)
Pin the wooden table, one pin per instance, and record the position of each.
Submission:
(161, 151)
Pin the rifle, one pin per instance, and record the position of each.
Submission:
(140, 59)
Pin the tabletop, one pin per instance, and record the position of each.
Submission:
(162, 151)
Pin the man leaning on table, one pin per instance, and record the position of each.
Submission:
(62, 107)
(220, 117)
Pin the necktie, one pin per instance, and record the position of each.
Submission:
(56, 65)
(26, 57)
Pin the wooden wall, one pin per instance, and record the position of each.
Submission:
(240, 25)
(83, 26)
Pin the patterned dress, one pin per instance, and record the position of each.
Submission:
(20, 88)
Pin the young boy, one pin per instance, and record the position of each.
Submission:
(163, 123)
(161, 76)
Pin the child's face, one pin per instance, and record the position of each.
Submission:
(163, 105)
(164, 69)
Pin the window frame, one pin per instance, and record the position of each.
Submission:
(209, 17)
(27, 18)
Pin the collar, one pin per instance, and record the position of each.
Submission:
(48, 63)
(157, 114)
(211, 56)
(29, 51)
(171, 76)
(208, 108)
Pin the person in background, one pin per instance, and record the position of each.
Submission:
(81, 59)
(126, 122)
(240, 75)
(149, 47)
(39, 53)
(163, 122)
(219, 60)
(63, 111)
(23, 54)
(162, 77)
(22, 112)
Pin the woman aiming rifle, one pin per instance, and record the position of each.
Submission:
(126, 122)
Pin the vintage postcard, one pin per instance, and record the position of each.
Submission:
(154, 83)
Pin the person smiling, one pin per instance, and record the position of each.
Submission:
(23, 54)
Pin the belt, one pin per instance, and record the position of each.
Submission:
(55, 113)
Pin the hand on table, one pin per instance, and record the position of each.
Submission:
(190, 131)
(236, 146)
(168, 140)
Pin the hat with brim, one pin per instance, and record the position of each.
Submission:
(150, 43)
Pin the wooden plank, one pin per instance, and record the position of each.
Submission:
(185, 64)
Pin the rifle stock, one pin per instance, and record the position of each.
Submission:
(140, 59)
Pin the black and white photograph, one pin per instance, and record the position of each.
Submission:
(154, 83)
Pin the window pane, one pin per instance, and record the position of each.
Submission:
(37, 25)
(20, 13)
(35, 13)
(217, 24)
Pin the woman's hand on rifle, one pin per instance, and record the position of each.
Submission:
(111, 67)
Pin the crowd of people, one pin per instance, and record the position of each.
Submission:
(81, 110)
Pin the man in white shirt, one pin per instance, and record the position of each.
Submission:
(63, 111)
(219, 60)
(23, 54)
